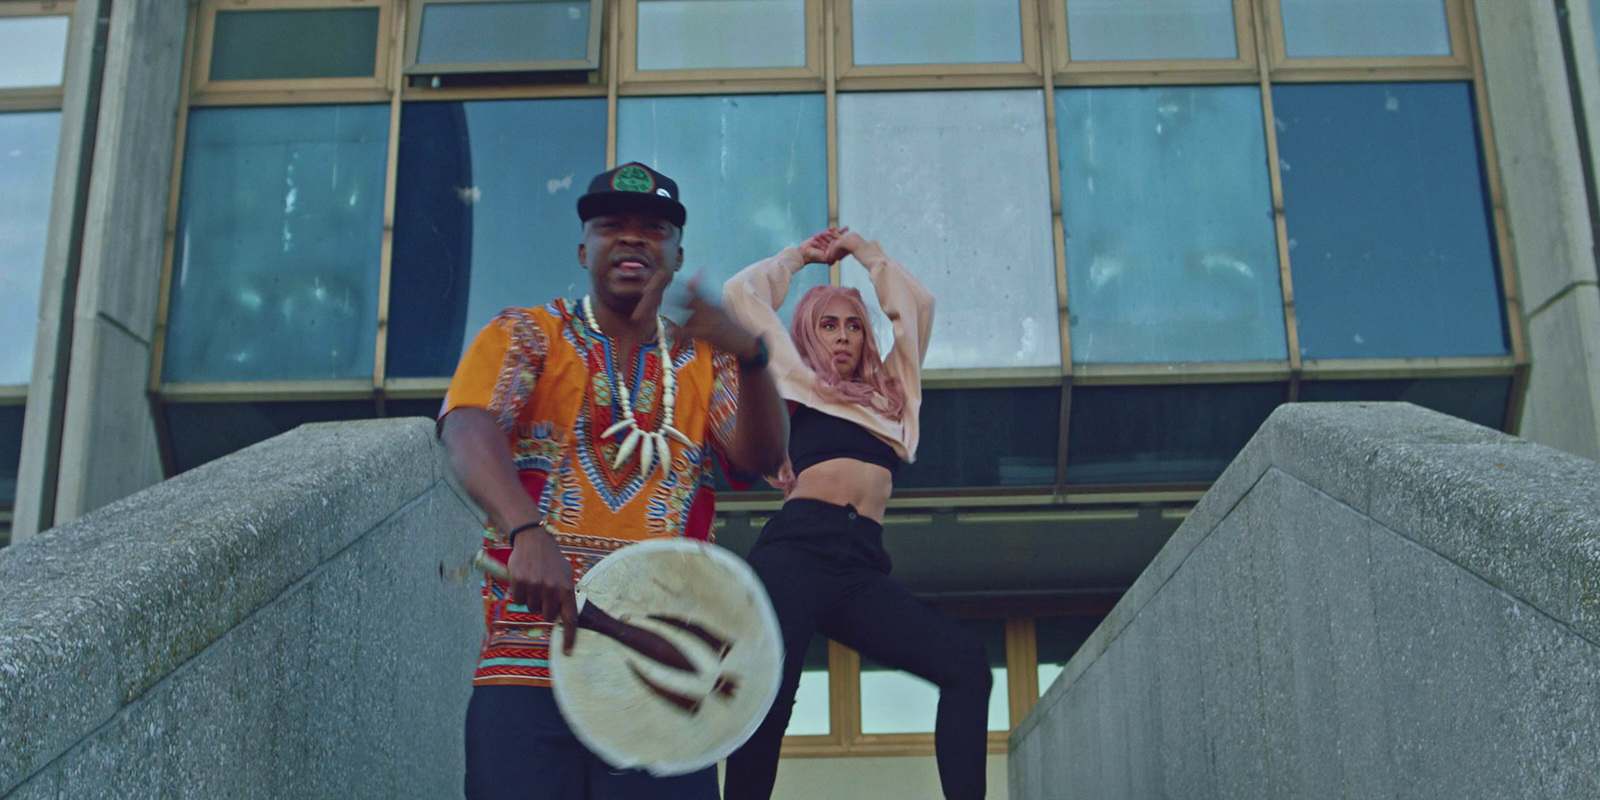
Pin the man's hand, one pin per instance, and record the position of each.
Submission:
(709, 323)
(541, 579)
(654, 290)
(818, 249)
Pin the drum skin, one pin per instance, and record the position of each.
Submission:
(637, 713)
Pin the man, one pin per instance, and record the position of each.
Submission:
(577, 435)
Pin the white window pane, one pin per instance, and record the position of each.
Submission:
(33, 51)
(887, 32)
(721, 34)
(27, 174)
(899, 702)
(1047, 676)
(955, 185)
(1365, 28)
(1150, 30)
(810, 716)
(491, 33)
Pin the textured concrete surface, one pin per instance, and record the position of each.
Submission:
(1546, 211)
(1374, 600)
(280, 622)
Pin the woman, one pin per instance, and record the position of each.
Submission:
(854, 421)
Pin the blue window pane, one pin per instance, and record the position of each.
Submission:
(1163, 434)
(33, 50)
(489, 33)
(202, 432)
(1171, 250)
(1389, 236)
(10, 452)
(752, 169)
(27, 178)
(1150, 30)
(721, 34)
(279, 236)
(811, 715)
(295, 43)
(1481, 400)
(485, 218)
(986, 437)
(1365, 28)
(885, 32)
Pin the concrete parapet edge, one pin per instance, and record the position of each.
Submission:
(132, 591)
(1470, 494)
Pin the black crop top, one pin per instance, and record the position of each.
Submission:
(816, 436)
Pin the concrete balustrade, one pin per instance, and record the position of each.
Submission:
(278, 623)
(1373, 601)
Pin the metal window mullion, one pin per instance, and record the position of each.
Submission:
(830, 77)
(391, 174)
(613, 61)
(1291, 323)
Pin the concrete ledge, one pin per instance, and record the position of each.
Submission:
(1476, 514)
(98, 612)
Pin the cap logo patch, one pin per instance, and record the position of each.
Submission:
(633, 178)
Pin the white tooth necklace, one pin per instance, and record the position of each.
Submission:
(652, 446)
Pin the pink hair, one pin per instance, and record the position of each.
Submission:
(871, 386)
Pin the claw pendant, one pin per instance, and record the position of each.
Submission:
(647, 454)
(627, 448)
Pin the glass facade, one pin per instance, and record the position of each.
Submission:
(1365, 28)
(893, 32)
(203, 432)
(963, 201)
(1163, 434)
(811, 715)
(899, 702)
(295, 43)
(485, 218)
(721, 34)
(28, 141)
(33, 51)
(1150, 30)
(1167, 203)
(1389, 225)
(501, 33)
(10, 453)
(275, 274)
(1058, 639)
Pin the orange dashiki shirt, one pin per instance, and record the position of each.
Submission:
(547, 377)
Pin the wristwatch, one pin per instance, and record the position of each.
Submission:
(757, 361)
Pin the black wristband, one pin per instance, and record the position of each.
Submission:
(757, 361)
(512, 536)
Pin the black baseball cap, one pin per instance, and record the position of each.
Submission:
(632, 187)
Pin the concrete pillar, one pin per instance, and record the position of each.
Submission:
(1530, 103)
(106, 447)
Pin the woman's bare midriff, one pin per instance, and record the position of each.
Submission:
(846, 481)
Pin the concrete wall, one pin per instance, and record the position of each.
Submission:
(278, 623)
(1530, 104)
(1373, 601)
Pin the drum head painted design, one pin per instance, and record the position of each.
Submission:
(677, 709)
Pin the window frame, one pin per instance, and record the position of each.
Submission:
(647, 81)
(415, 8)
(1241, 69)
(228, 91)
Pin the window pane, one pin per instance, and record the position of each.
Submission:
(10, 453)
(1388, 222)
(811, 708)
(33, 51)
(279, 233)
(956, 186)
(1371, 28)
(752, 170)
(721, 34)
(1480, 400)
(489, 33)
(203, 432)
(887, 32)
(288, 44)
(1171, 249)
(1058, 639)
(27, 177)
(1150, 30)
(986, 437)
(485, 218)
(899, 702)
(1163, 434)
